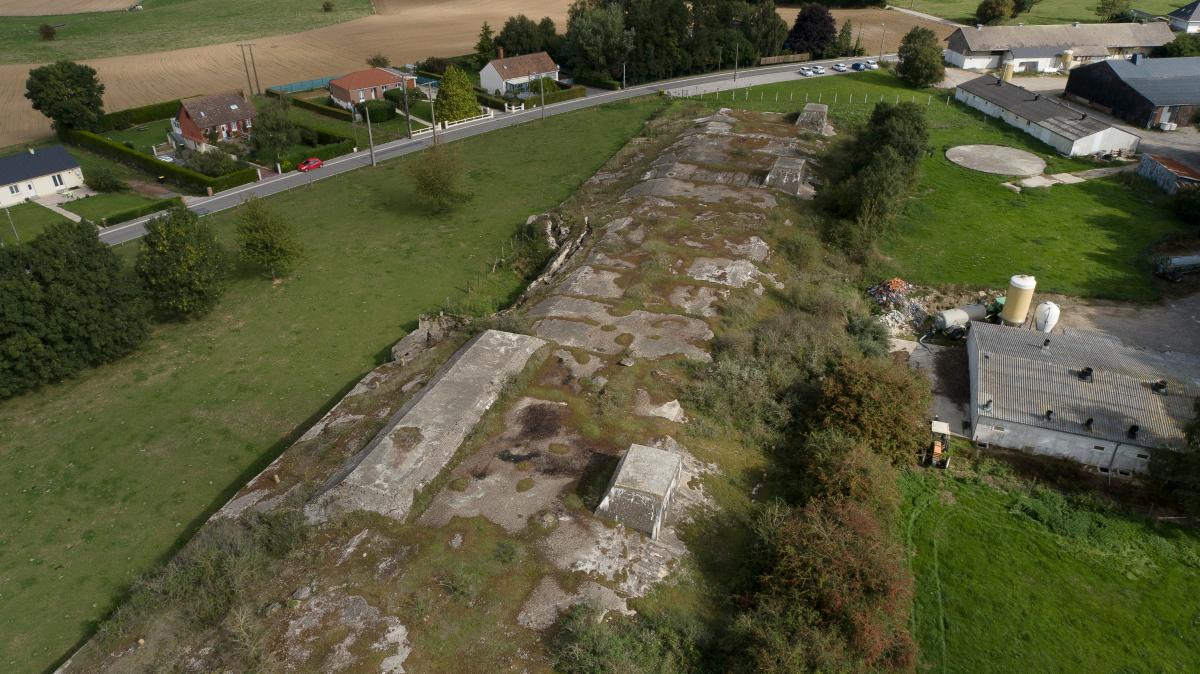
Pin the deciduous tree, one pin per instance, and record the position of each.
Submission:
(520, 35)
(68, 93)
(921, 58)
(181, 265)
(597, 42)
(266, 239)
(438, 178)
(1108, 10)
(379, 61)
(814, 32)
(273, 133)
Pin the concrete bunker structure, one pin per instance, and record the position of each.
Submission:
(813, 118)
(641, 489)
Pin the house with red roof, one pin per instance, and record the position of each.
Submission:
(359, 87)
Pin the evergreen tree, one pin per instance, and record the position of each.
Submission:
(813, 33)
(456, 97)
(485, 46)
(764, 28)
(66, 303)
(845, 40)
(921, 58)
(266, 239)
(68, 93)
(181, 265)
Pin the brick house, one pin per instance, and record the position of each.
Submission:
(204, 118)
(358, 87)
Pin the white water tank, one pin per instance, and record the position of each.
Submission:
(957, 318)
(1045, 316)
(1018, 299)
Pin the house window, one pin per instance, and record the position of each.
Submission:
(999, 429)
(361, 96)
(13, 189)
(1143, 456)
(57, 180)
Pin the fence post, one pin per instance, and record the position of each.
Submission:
(930, 99)
(819, 97)
(835, 97)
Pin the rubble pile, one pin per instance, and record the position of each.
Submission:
(900, 311)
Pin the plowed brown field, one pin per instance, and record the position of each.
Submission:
(405, 30)
(44, 7)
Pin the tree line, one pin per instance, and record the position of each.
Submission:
(67, 302)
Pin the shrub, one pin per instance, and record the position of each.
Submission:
(990, 11)
(214, 163)
(47, 32)
(380, 111)
(880, 402)
(104, 179)
(145, 209)
(438, 180)
(1187, 205)
(327, 6)
(585, 644)
(378, 60)
(435, 65)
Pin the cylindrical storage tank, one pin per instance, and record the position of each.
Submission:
(1007, 73)
(1018, 299)
(957, 318)
(1045, 316)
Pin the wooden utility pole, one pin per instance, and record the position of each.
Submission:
(254, 67)
(246, 65)
(542, 89)
(370, 137)
(406, 115)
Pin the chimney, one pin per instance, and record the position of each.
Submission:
(1159, 387)
(1083, 115)
(1133, 431)
(1086, 374)
(500, 52)
(1138, 59)
(1049, 415)
(1089, 423)
(30, 150)
(1038, 97)
(1075, 23)
(979, 26)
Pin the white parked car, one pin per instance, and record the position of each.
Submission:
(807, 72)
(872, 65)
(820, 70)
(841, 67)
(166, 158)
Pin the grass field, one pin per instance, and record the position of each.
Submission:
(1008, 582)
(100, 206)
(143, 136)
(1047, 11)
(163, 25)
(964, 227)
(109, 471)
(28, 220)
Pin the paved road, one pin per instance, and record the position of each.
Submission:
(282, 183)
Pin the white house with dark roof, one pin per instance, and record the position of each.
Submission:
(1037, 49)
(36, 173)
(513, 75)
(1186, 19)
(1078, 395)
(1071, 132)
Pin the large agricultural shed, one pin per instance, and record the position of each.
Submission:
(1148, 92)
(1072, 132)
(1079, 395)
(1037, 49)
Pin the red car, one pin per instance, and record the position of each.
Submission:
(310, 164)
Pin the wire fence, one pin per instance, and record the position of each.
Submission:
(304, 85)
(748, 95)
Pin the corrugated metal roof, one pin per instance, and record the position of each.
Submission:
(42, 162)
(1042, 110)
(1164, 81)
(1025, 379)
(1063, 37)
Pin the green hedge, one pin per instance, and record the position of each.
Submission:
(489, 100)
(381, 111)
(177, 175)
(153, 207)
(597, 81)
(323, 152)
(319, 108)
(123, 119)
(558, 96)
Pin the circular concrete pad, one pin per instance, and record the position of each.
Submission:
(1007, 161)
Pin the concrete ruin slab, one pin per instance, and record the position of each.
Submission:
(787, 175)
(814, 118)
(708, 193)
(670, 410)
(641, 489)
(1067, 178)
(754, 249)
(697, 300)
(1038, 181)
(733, 273)
(589, 325)
(422, 436)
(548, 600)
(998, 159)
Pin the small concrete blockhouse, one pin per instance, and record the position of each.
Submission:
(1168, 174)
(37, 173)
(1148, 92)
(1037, 49)
(366, 85)
(514, 75)
(1186, 19)
(641, 489)
(1078, 395)
(218, 117)
(1072, 132)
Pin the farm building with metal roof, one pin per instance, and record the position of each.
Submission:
(1072, 132)
(1079, 395)
(1148, 92)
(1051, 48)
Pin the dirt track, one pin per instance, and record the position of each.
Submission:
(44, 7)
(402, 31)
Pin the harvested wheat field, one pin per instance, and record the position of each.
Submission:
(45, 7)
(877, 26)
(404, 31)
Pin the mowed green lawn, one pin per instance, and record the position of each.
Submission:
(101, 206)
(964, 227)
(106, 473)
(28, 220)
(998, 591)
(163, 25)
(1046, 11)
(143, 136)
